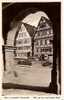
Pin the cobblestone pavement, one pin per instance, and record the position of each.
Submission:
(35, 75)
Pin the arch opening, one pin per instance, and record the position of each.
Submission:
(32, 40)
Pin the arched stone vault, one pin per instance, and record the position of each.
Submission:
(9, 56)
(9, 53)
(11, 36)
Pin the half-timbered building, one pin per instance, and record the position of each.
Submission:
(43, 40)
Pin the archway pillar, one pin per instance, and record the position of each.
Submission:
(53, 87)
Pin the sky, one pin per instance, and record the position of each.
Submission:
(33, 19)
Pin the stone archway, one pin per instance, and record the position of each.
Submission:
(10, 57)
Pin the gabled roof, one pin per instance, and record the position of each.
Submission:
(33, 19)
(30, 29)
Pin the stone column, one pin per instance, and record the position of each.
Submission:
(3, 50)
(53, 85)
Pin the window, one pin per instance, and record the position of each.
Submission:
(47, 32)
(19, 42)
(51, 31)
(41, 33)
(42, 25)
(43, 20)
(41, 50)
(47, 49)
(20, 48)
(25, 41)
(36, 43)
(48, 42)
(25, 34)
(47, 25)
(20, 34)
(40, 42)
(38, 34)
(45, 42)
(37, 49)
(19, 54)
(51, 41)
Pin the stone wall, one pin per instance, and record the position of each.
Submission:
(9, 51)
(9, 57)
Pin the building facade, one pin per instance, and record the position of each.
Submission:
(43, 40)
(23, 43)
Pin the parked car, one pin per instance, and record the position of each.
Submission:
(25, 62)
(46, 63)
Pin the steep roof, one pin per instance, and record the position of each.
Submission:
(44, 21)
(30, 29)
(33, 19)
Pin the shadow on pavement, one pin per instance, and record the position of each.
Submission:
(26, 87)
